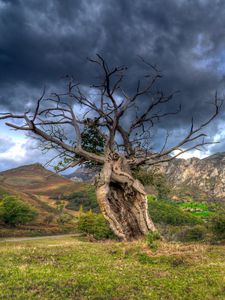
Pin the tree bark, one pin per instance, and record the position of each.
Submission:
(123, 201)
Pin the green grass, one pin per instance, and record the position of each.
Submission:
(198, 209)
(67, 268)
(36, 230)
(194, 205)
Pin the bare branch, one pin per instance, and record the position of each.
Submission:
(119, 116)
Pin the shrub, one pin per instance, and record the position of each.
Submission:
(196, 233)
(14, 211)
(2, 192)
(218, 225)
(48, 219)
(60, 206)
(86, 199)
(63, 219)
(95, 225)
(166, 212)
(157, 180)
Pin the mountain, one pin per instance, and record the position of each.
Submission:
(82, 174)
(37, 186)
(202, 179)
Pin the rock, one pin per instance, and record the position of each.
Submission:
(198, 175)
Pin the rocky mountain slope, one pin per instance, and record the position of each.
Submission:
(199, 178)
(82, 174)
(37, 186)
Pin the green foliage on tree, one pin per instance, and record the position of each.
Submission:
(14, 211)
(92, 141)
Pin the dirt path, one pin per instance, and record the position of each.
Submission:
(3, 240)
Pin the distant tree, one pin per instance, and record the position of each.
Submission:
(14, 211)
(124, 121)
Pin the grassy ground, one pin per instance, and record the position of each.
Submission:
(69, 268)
(36, 230)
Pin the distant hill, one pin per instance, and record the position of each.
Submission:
(38, 186)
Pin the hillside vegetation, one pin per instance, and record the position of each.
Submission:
(61, 205)
(42, 190)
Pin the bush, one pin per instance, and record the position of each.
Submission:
(95, 225)
(218, 225)
(157, 180)
(86, 199)
(63, 219)
(48, 219)
(14, 211)
(166, 212)
(196, 233)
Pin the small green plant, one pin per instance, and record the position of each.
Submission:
(151, 240)
(152, 198)
(145, 259)
(95, 225)
(14, 211)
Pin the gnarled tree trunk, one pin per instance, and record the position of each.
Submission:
(122, 200)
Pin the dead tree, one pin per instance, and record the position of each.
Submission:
(126, 129)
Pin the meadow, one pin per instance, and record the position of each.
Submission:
(75, 268)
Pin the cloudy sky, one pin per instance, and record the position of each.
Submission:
(41, 41)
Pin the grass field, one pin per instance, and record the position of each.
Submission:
(68, 268)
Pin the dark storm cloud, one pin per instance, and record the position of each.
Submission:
(40, 41)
